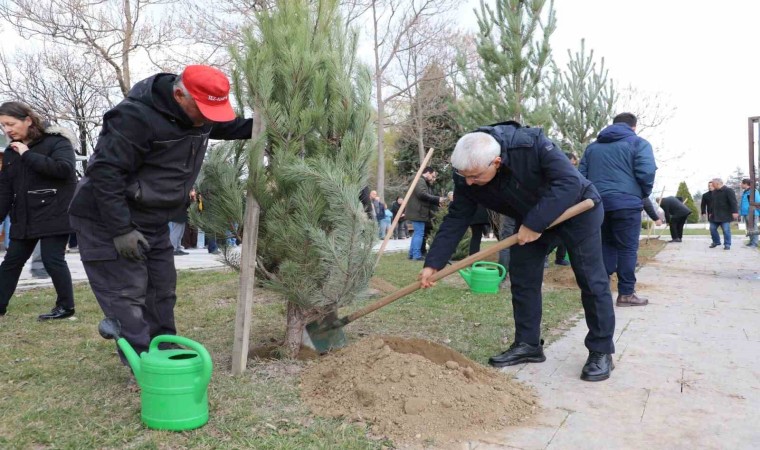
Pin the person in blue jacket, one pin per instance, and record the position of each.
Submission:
(621, 165)
(517, 171)
(744, 211)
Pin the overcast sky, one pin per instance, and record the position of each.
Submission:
(701, 56)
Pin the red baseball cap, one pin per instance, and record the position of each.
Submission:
(210, 89)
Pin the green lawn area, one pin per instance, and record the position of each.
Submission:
(63, 386)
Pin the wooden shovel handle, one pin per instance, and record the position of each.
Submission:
(448, 270)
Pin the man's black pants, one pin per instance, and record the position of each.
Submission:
(676, 227)
(139, 294)
(53, 249)
(526, 269)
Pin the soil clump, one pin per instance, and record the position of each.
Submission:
(414, 390)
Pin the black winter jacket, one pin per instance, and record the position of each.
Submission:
(723, 205)
(147, 158)
(674, 209)
(535, 184)
(36, 187)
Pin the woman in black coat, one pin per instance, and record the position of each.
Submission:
(37, 182)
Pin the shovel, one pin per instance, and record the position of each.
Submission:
(327, 334)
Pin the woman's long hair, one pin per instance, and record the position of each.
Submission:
(21, 111)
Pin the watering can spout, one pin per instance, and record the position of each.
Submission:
(132, 358)
(466, 274)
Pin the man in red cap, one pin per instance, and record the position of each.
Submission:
(147, 158)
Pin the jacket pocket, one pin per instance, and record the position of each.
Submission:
(170, 194)
(41, 203)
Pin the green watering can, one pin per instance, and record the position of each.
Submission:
(173, 383)
(484, 277)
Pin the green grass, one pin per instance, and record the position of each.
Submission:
(63, 386)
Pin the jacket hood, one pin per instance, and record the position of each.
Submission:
(615, 132)
(63, 132)
(156, 92)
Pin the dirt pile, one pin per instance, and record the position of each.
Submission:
(412, 389)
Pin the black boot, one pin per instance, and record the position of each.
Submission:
(598, 367)
(518, 353)
(58, 312)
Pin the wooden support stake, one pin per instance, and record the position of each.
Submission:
(243, 314)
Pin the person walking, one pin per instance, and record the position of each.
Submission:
(420, 210)
(724, 210)
(145, 163)
(744, 211)
(706, 212)
(622, 167)
(676, 214)
(36, 185)
(517, 171)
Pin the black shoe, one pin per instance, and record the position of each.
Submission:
(713, 245)
(727, 247)
(180, 253)
(215, 252)
(518, 353)
(598, 367)
(57, 313)
(561, 262)
(40, 273)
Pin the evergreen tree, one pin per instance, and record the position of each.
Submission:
(683, 192)
(298, 71)
(512, 80)
(584, 102)
(430, 124)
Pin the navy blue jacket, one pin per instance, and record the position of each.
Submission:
(534, 184)
(621, 165)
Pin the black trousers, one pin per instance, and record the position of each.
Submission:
(676, 227)
(526, 268)
(139, 294)
(53, 249)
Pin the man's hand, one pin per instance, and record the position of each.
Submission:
(424, 277)
(132, 245)
(736, 216)
(658, 222)
(526, 235)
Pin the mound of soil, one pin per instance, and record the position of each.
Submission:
(412, 389)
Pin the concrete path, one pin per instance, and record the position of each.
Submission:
(687, 365)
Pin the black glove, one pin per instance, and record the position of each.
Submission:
(132, 245)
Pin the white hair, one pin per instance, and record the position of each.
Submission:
(474, 150)
(178, 84)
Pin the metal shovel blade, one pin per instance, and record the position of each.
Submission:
(109, 328)
(322, 336)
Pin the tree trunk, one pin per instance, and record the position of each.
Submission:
(420, 127)
(297, 320)
(380, 188)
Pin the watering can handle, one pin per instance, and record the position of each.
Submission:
(502, 269)
(185, 342)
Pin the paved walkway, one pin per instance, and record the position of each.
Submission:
(687, 365)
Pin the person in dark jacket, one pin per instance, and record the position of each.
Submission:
(420, 210)
(676, 214)
(705, 210)
(621, 165)
(560, 256)
(518, 172)
(724, 209)
(400, 231)
(145, 163)
(36, 185)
